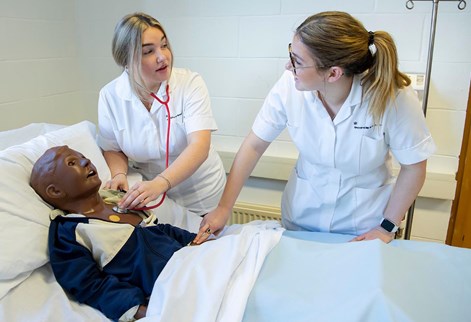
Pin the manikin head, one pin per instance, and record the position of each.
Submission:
(65, 178)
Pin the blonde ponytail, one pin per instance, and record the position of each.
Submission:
(382, 79)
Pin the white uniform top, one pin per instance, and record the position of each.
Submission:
(342, 179)
(126, 125)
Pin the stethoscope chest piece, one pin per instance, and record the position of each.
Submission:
(120, 210)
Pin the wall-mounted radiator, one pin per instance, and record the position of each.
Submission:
(244, 212)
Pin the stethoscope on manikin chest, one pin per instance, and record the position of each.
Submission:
(167, 144)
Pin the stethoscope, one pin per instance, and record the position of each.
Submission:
(167, 144)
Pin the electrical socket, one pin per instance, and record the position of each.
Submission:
(417, 81)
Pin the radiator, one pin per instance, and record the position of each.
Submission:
(244, 212)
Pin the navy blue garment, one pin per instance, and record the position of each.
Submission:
(127, 279)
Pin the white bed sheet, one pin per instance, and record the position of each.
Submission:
(39, 298)
(322, 277)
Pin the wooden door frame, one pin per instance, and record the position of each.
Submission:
(460, 216)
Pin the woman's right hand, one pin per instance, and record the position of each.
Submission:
(118, 182)
(117, 162)
(212, 223)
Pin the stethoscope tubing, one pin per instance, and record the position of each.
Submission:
(167, 146)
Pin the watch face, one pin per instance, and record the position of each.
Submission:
(387, 225)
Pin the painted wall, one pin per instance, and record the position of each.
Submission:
(38, 63)
(55, 56)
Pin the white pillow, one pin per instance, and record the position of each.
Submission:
(26, 133)
(25, 216)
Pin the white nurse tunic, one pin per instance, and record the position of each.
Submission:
(343, 176)
(126, 125)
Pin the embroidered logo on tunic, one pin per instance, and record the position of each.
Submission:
(366, 127)
(175, 116)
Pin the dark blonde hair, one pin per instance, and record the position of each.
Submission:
(337, 39)
(127, 46)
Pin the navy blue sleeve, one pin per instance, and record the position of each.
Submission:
(180, 235)
(77, 272)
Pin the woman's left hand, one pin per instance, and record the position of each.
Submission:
(212, 224)
(376, 233)
(142, 193)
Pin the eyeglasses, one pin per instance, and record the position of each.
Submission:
(293, 62)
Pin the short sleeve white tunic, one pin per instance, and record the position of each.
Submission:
(126, 125)
(343, 178)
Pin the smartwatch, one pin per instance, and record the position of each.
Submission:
(389, 226)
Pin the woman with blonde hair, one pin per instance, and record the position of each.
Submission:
(171, 147)
(347, 107)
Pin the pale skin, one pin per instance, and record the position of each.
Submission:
(333, 88)
(156, 68)
(409, 182)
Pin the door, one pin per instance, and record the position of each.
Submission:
(459, 228)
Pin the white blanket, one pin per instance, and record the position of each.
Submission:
(212, 282)
(368, 281)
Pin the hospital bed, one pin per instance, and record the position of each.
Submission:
(254, 272)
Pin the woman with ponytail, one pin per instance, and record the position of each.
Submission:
(348, 110)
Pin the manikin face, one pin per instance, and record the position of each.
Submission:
(156, 58)
(74, 175)
(307, 76)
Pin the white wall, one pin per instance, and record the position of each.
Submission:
(38, 63)
(55, 56)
